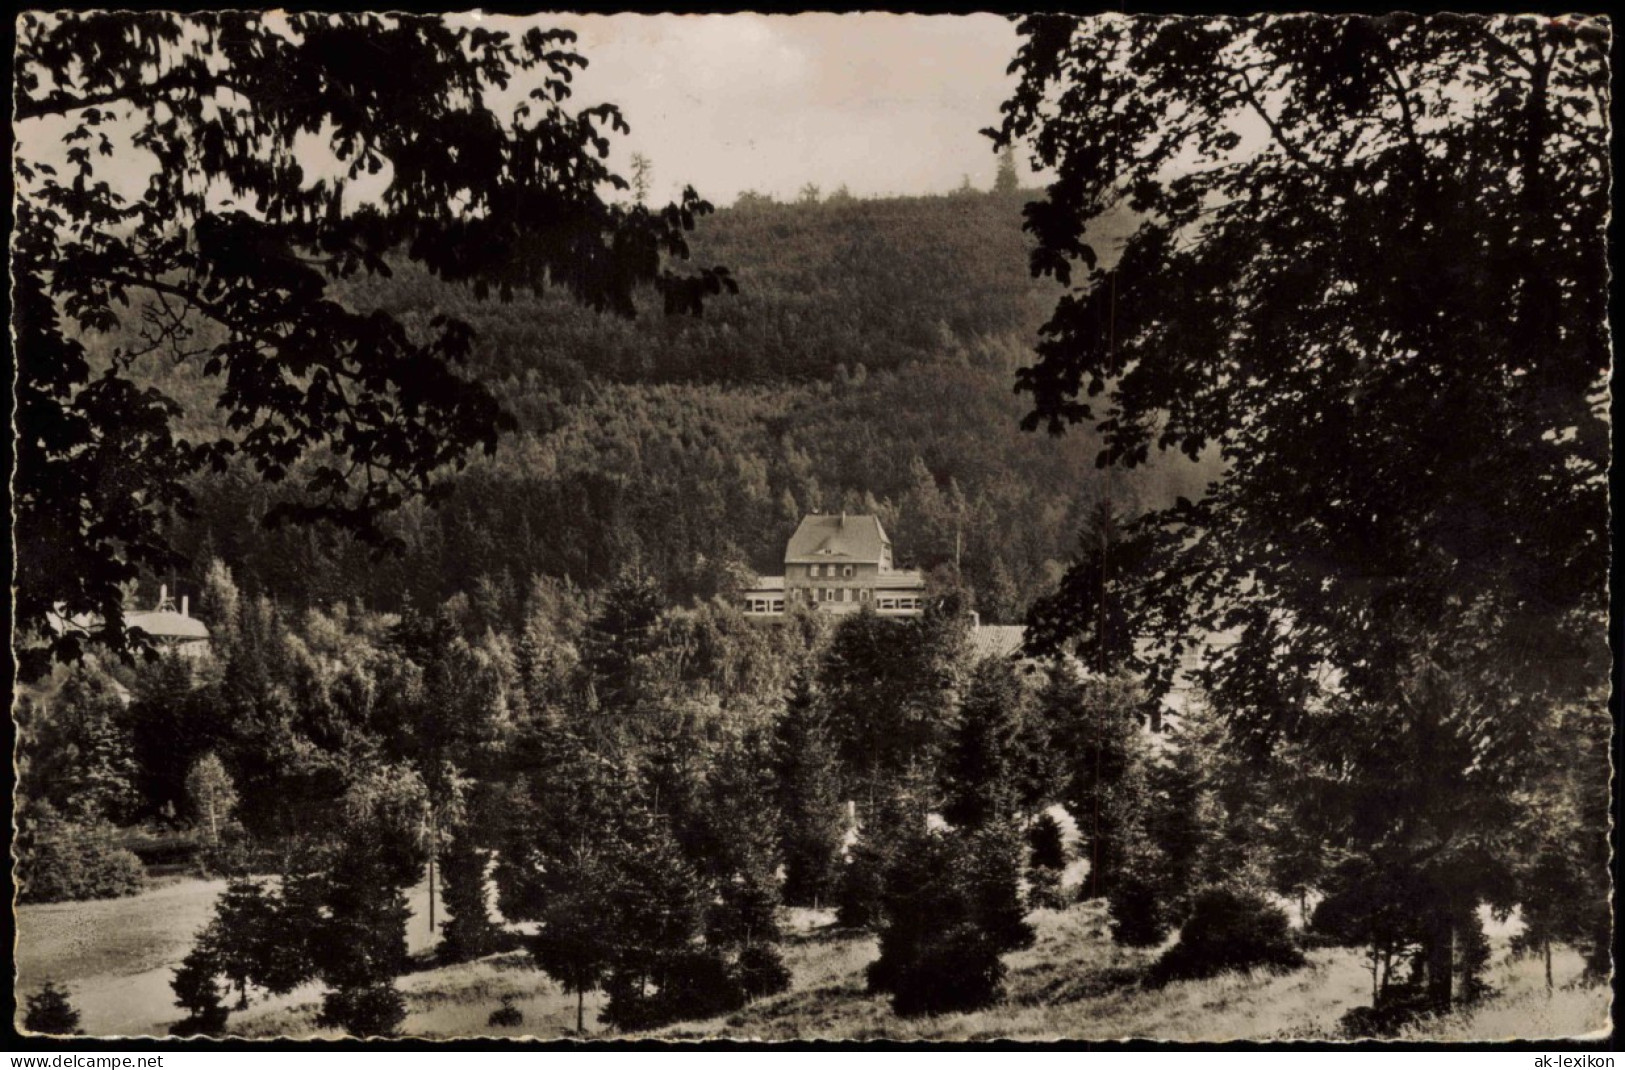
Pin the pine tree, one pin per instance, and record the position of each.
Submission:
(50, 1012)
(1006, 181)
(812, 815)
(468, 932)
(951, 907)
(983, 760)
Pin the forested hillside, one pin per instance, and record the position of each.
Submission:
(866, 364)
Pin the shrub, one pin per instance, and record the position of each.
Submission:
(1228, 930)
(1400, 1007)
(958, 971)
(506, 1015)
(761, 971)
(952, 907)
(1138, 918)
(50, 1012)
(1044, 889)
(374, 1011)
(61, 860)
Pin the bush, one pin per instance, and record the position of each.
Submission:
(958, 971)
(1044, 889)
(761, 971)
(694, 983)
(506, 1015)
(61, 861)
(1228, 930)
(952, 906)
(374, 1011)
(50, 1012)
(1400, 1007)
(1138, 918)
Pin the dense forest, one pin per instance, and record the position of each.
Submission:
(1374, 570)
(865, 365)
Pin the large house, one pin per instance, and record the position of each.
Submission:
(838, 564)
(170, 628)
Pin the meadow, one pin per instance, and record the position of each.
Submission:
(115, 956)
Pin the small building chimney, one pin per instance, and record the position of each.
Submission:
(185, 599)
(163, 594)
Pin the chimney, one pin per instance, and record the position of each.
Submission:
(163, 594)
(975, 617)
(185, 599)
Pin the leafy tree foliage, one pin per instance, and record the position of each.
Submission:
(77, 751)
(213, 796)
(228, 254)
(1398, 348)
(59, 860)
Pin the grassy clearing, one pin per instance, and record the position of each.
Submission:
(116, 956)
(1074, 983)
(452, 1001)
(1523, 1008)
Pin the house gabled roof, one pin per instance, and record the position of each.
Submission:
(166, 624)
(837, 537)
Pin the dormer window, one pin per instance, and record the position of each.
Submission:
(846, 570)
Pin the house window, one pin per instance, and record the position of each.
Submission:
(778, 605)
(829, 594)
(814, 569)
(863, 595)
(846, 570)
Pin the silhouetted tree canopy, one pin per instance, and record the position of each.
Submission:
(1364, 261)
(224, 258)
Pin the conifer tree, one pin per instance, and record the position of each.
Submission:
(983, 762)
(50, 1012)
(812, 821)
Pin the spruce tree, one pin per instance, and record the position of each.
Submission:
(812, 817)
(467, 932)
(50, 1012)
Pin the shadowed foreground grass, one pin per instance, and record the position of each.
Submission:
(1074, 983)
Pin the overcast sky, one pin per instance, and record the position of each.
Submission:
(882, 103)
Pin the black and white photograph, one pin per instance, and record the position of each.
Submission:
(835, 526)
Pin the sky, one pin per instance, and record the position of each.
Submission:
(882, 103)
